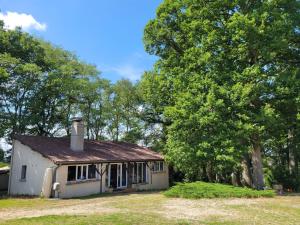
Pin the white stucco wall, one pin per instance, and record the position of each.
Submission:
(36, 166)
(77, 189)
(156, 180)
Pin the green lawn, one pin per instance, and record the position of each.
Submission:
(7, 203)
(114, 218)
(3, 164)
(213, 190)
(150, 208)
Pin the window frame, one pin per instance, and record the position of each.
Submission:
(23, 173)
(140, 166)
(158, 166)
(82, 177)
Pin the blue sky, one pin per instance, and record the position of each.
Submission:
(107, 33)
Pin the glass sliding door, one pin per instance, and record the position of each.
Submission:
(118, 175)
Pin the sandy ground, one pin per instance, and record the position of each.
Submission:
(170, 208)
(78, 209)
(204, 208)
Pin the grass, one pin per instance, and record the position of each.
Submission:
(151, 208)
(213, 190)
(3, 164)
(23, 202)
(114, 218)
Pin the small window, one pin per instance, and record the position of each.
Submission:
(161, 166)
(92, 172)
(81, 173)
(139, 173)
(23, 172)
(71, 173)
(158, 166)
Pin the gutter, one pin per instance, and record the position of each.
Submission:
(11, 167)
(105, 161)
(54, 180)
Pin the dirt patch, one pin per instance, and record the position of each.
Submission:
(78, 209)
(203, 208)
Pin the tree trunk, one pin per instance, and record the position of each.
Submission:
(236, 178)
(291, 156)
(246, 173)
(209, 172)
(258, 175)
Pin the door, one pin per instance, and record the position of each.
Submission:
(114, 175)
(118, 175)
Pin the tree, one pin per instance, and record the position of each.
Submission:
(40, 83)
(222, 70)
(124, 107)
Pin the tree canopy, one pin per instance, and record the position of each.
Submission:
(43, 86)
(226, 86)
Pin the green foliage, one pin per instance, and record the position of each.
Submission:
(214, 190)
(226, 84)
(43, 86)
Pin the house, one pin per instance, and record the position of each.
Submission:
(73, 167)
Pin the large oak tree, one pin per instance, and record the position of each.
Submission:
(227, 73)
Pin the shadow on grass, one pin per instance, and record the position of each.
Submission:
(4, 196)
(290, 194)
(104, 195)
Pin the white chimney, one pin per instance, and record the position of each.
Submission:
(77, 135)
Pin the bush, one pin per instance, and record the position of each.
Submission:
(213, 190)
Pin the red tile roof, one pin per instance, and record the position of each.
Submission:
(58, 150)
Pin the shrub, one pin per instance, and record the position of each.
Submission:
(214, 190)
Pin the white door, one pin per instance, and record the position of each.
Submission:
(121, 175)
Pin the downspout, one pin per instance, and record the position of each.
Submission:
(54, 180)
(101, 178)
(11, 167)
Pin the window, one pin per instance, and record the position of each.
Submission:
(23, 172)
(158, 166)
(71, 173)
(140, 173)
(82, 172)
(92, 172)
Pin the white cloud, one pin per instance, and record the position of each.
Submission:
(132, 68)
(126, 71)
(25, 21)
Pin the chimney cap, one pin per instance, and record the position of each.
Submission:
(77, 119)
